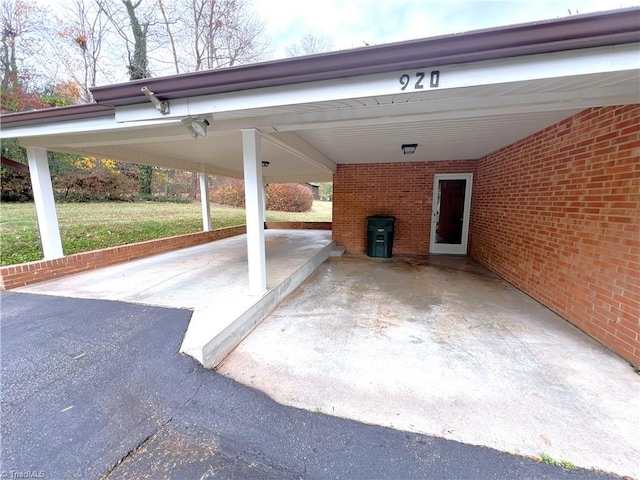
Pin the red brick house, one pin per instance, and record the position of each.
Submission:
(527, 151)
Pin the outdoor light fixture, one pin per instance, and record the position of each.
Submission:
(162, 106)
(265, 164)
(197, 128)
(409, 148)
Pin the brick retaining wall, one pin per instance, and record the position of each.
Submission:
(13, 276)
(298, 225)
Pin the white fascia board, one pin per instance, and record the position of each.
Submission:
(616, 58)
(134, 134)
(85, 125)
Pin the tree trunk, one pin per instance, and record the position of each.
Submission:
(139, 69)
(139, 64)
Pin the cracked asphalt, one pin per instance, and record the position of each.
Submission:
(97, 389)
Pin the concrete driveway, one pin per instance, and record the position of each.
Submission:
(95, 389)
(444, 347)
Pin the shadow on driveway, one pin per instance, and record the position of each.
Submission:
(96, 389)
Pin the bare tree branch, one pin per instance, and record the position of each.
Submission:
(172, 41)
(309, 45)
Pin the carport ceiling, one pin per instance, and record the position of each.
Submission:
(462, 138)
(460, 123)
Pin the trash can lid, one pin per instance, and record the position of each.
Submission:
(381, 217)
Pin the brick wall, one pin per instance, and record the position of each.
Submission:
(27, 273)
(402, 190)
(557, 214)
(298, 225)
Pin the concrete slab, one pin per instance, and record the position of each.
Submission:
(211, 279)
(444, 347)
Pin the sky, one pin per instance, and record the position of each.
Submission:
(357, 23)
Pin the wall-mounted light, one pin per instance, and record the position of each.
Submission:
(409, 148)
(197, 128)
(161, 105)
(265, 164)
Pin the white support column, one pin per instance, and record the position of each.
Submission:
(264, 201)
(204, 199)
(45, 203)
(255, 211)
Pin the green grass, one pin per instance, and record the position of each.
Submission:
(544, 458)
(90, 226)
(552, 461)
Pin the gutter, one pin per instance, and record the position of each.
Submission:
(582, 31)
(71, 112)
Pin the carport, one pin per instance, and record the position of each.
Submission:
(492, 106)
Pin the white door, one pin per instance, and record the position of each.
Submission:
(450, 213)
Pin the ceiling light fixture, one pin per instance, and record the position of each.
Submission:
(409, 148)
(197, 128)
(265, 164)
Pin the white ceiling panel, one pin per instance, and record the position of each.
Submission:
(457, 139)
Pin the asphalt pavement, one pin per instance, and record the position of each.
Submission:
(97, 389)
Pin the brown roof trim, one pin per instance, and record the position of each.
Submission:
(580, 31)
(72, 112)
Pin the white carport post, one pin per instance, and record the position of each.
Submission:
(263, 192)
(204, 199)
(45, 203)
(255, 211)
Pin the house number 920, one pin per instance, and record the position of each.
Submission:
(418, 80)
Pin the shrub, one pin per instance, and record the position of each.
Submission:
(289, 197)
(87, 185)
(162, 199)
(282, 197)
(228, 192)
(15, 185)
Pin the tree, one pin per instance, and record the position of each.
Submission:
(205, 34)
(85, 29)
(139, 62)
(309, 45)
(170, 18)
(23, 24)
(326, 191)
(17, 20)
(139, 69)
(51, 62)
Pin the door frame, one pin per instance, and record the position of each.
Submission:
(445, 248)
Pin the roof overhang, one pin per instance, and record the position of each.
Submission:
(459, 96)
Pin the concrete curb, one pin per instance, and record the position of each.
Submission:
(215, 340)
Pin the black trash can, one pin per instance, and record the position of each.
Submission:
(380, 236)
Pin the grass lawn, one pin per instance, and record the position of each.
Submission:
(90, 226)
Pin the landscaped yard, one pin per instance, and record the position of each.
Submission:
(89, 226)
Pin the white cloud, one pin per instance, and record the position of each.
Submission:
(351, 23)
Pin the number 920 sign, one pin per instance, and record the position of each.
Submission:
(418, 80)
